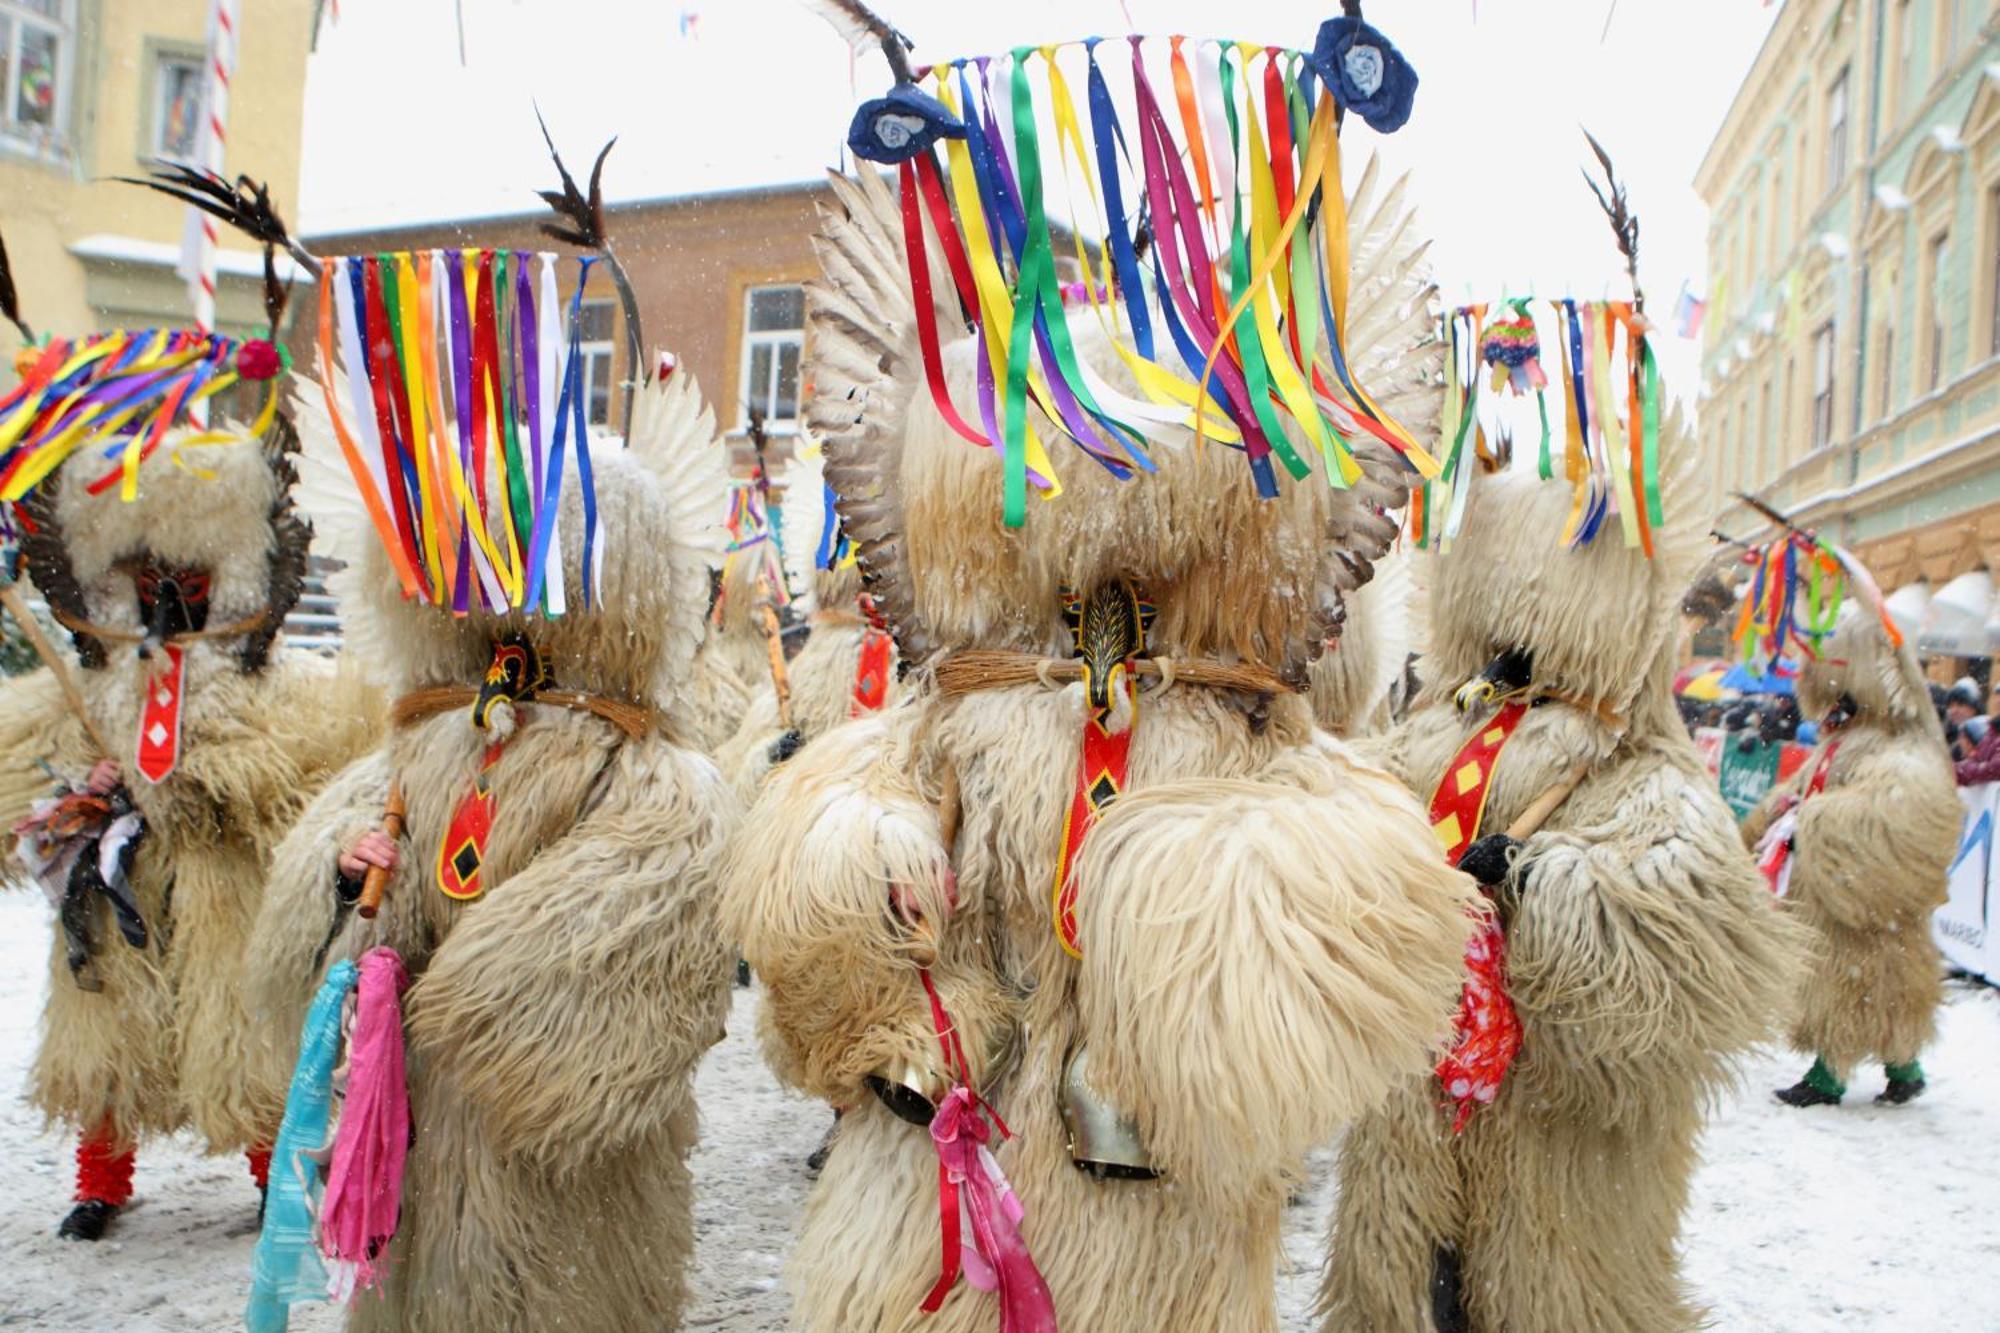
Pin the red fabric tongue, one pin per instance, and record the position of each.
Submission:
(871, 672)
(160, 716)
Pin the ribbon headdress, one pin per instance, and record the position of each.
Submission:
(459, 396)
(1797, 585)
(1205, 211)
(120, 392)
(1609, 381)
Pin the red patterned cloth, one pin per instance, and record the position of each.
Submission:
(1487, 1034)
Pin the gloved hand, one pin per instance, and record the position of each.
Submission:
(788, 744)
(1490, 859)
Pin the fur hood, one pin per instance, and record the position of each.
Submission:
(1601, 620)
(224, 507)
(1234, 577)
(659, 535)
(1885, 682)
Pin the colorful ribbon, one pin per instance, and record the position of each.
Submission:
(1232, 237)
(464, 389)
(1609, 383)
(118, 393)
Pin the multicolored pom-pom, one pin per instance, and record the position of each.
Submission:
(1514, 349)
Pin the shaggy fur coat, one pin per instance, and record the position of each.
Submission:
(822, 685)
(554, 1023)
(1270, 942)
(166, 1043)
(1643, 952)
(1871, 852)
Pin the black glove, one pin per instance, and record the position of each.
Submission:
(1489, 859)
(789, 743)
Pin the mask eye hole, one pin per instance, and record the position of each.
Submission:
(172, 600)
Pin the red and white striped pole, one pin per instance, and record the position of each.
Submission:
(199, 243)
(199, 235)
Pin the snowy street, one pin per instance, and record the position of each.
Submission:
(1848, 1218)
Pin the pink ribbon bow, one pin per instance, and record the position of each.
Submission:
(974, 1197)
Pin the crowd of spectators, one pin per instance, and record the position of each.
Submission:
(1970, 730)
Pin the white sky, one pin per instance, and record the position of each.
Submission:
(396, 130)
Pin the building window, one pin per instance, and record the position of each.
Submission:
(596, 332)
(1947, 38)
(1787, 410)
(1886, 379)
(177, 105)
(1822, 403)
(1934, 262)
(34, 63)
(1993, 271)
(1836, 131)
(1766, 467)
(1743, 465)
(774, 337)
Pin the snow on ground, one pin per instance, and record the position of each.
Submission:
(1847, 1218)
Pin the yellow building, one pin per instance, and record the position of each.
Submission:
(91, 89)
(1851, 353)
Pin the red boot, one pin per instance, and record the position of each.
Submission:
(103, 1184)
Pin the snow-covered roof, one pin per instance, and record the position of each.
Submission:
(107, 248)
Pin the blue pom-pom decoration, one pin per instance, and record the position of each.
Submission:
(901, 125)
(1365, 73)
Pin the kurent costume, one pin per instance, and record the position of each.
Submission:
(848, 666)
(552, 902)
(1538, 1181)
(1860, 841)
(1070, 905)
(171, 561)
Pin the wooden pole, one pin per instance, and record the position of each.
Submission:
(11, 598)
(376, 881)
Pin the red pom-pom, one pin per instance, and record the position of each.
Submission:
(259, 359)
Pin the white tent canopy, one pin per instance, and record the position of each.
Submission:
(1955, 621)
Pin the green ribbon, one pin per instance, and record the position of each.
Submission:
(1256, 371)
(1650, 444)
(1542, 406)
(519, 507)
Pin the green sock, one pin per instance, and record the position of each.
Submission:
(1821, 1079)
(1912, 1072)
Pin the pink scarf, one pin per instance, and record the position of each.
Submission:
(364, 1187)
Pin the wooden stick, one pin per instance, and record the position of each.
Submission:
(781, 680)
(376, 881)
(1545, 805)
(11, 598)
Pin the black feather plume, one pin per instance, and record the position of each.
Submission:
(245, 205)
(10, 300)
(581, 216)
(580, 222)
(1618, 211)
